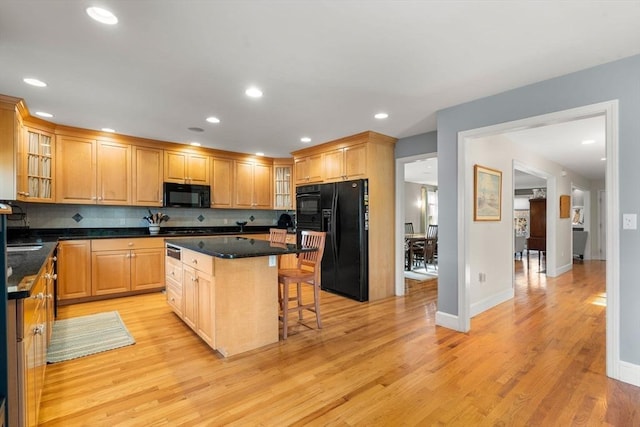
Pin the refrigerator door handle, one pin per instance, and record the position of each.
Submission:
(334, 225)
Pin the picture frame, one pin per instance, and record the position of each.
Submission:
(565, 206)
(487, 194)
(577, 216)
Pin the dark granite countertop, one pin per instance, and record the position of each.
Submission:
(235, 247)
(26, 264)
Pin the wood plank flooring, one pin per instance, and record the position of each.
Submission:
(536, 360)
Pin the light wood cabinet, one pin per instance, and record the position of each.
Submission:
(173, 284)
(76, 178)
(221, 183)
(308, 169)
(283, 184)
(345, 163)
(113, 173)
(367, 155)
(36, 166)
(199, 295)
(11, 133)
(92, 171)
(186, 168)
(253, 185)
(147, 176)
(124, 265)
(74, 270)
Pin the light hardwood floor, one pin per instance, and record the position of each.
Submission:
(536, 360)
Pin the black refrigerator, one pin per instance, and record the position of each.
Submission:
(345, 218)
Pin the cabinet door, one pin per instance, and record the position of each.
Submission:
(198, 169)
(355, 161)
(147, 269)
(282, 192)
(334, 165)
(301, 170)
(74, 269)
(262, 192)
(110, 272)
(190, 294)
(175, 167)
(35, 173)
(315, 170)
(76, 170)
(147, 176)
(114, 173)
(244, 184)
(221, 182)
(206, 308)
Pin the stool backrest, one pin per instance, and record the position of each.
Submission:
(277, 235)
(312, 260)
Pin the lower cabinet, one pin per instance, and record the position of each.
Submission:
(199, 294)
(100, 268)
(29, 323)
(173, 282)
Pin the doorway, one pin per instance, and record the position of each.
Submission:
(609, 110)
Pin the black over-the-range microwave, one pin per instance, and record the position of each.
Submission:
(186, 195)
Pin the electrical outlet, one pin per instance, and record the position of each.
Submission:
(226, 221)
(482, 277)
(629, 222)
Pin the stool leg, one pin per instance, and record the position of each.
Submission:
(316, 297)
(299, 301)
(285, 308)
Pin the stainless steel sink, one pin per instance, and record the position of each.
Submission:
(23, 248)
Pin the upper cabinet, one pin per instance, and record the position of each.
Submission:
(35, 179)
(283, 184)
(186, 168)
(105, 174)
(147, 176)
(308, 168)
(10, 137)
(221, 182)
(253, 185)
(345, 163)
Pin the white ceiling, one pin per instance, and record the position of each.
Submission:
(326, 67)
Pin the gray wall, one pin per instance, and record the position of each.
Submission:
(418, 144)
(617, 80)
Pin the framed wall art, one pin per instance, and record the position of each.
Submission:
(487, 194)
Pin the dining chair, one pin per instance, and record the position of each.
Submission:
(278, 235)
(308, 273)
(408, 228)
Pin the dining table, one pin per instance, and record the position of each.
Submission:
(411, 241)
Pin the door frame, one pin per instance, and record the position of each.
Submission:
(465, 214)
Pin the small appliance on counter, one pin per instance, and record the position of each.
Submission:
(285, 221)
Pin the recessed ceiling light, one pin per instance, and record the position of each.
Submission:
(195, 144)
(588, 141)
(102, 15)
(196, 129)
(305, 139)
(34, 82)
(213, 119)
(253, 92)
(260, 153)
(43, 114)
(381, 116)
(603, 158)
(108, 130)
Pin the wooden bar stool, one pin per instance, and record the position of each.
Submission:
(278, 235)
(307, 272)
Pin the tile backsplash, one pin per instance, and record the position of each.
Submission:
(82, 216)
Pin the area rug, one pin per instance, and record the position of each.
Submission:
(420, 274)
(85, 335)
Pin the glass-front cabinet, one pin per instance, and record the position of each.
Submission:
(283, 188)
(37, 169)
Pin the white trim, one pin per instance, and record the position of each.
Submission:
(449, 321)
(400, 202)
(563, 269)
(491, 301)
(610, 110)
(630, 373)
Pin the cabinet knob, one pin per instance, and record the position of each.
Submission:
(130, 244)
(194, 261)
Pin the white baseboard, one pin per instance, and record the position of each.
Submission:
(492, 301)
(561, 270)
(629, 373)
(448, 321)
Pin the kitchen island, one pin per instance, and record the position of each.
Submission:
(226, 289)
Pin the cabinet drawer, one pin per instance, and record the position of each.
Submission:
(173, 269)
(134, 243)
(174, 295)
(198, 261)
